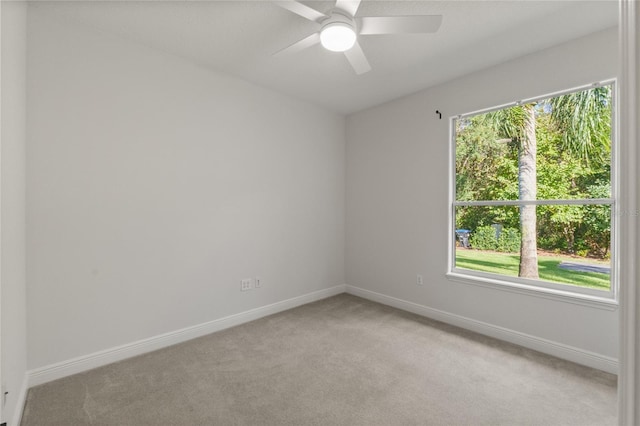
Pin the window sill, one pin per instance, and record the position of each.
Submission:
(542, 292)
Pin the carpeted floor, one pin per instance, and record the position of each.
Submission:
(339, 361)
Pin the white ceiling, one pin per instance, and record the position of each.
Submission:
(239, 37)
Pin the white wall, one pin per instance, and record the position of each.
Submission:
(636, 363)
(154, 186)
(12, 260)
(397, 196)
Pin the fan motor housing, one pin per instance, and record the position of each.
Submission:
(337, 16)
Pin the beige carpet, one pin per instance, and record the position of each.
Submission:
(339, 361)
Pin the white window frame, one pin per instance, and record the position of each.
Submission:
(557, 291)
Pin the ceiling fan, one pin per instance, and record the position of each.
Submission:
(339, 29)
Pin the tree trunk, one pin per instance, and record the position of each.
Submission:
(569, 235)
(528, 191)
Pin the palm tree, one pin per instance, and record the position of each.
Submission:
(584, 118)
(519, 124)
(527, 190)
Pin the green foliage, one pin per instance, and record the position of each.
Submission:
(506, 123)
(572, 163)
(590, 135)
(597, 222)
(483, 166)
(509, 240)
(484, 238)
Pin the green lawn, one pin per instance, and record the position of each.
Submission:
(507, 264)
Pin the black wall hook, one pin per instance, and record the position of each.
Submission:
(439, 114)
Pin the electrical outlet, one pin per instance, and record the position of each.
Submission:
(258, 282)
(419, 280)
(246, 284)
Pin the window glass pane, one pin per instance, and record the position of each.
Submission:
(486, 165)
(572, 243)
(556, 148)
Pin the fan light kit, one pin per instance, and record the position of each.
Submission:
(337, 37)
(339, 29)
(338, 32)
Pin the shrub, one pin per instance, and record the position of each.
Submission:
(484, 238)
(509, 240)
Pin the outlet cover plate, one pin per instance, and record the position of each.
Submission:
(246, 284)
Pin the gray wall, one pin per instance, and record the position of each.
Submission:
(397, 196)
(154, 186)
(12, 242)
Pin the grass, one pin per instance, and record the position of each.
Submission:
(507, 264)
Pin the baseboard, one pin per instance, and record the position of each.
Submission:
(549, 347)
(83, 363)
(108, 356)
(20, 402)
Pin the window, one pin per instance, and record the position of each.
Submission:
(533, 192)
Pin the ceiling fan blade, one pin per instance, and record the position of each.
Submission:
(349, 6)
(299, 45)
(400, 24)
(356, 58)
(301, 9)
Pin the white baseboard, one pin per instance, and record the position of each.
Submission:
(22, 398)
(549, 347)
(87, 362)
(108, 356)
